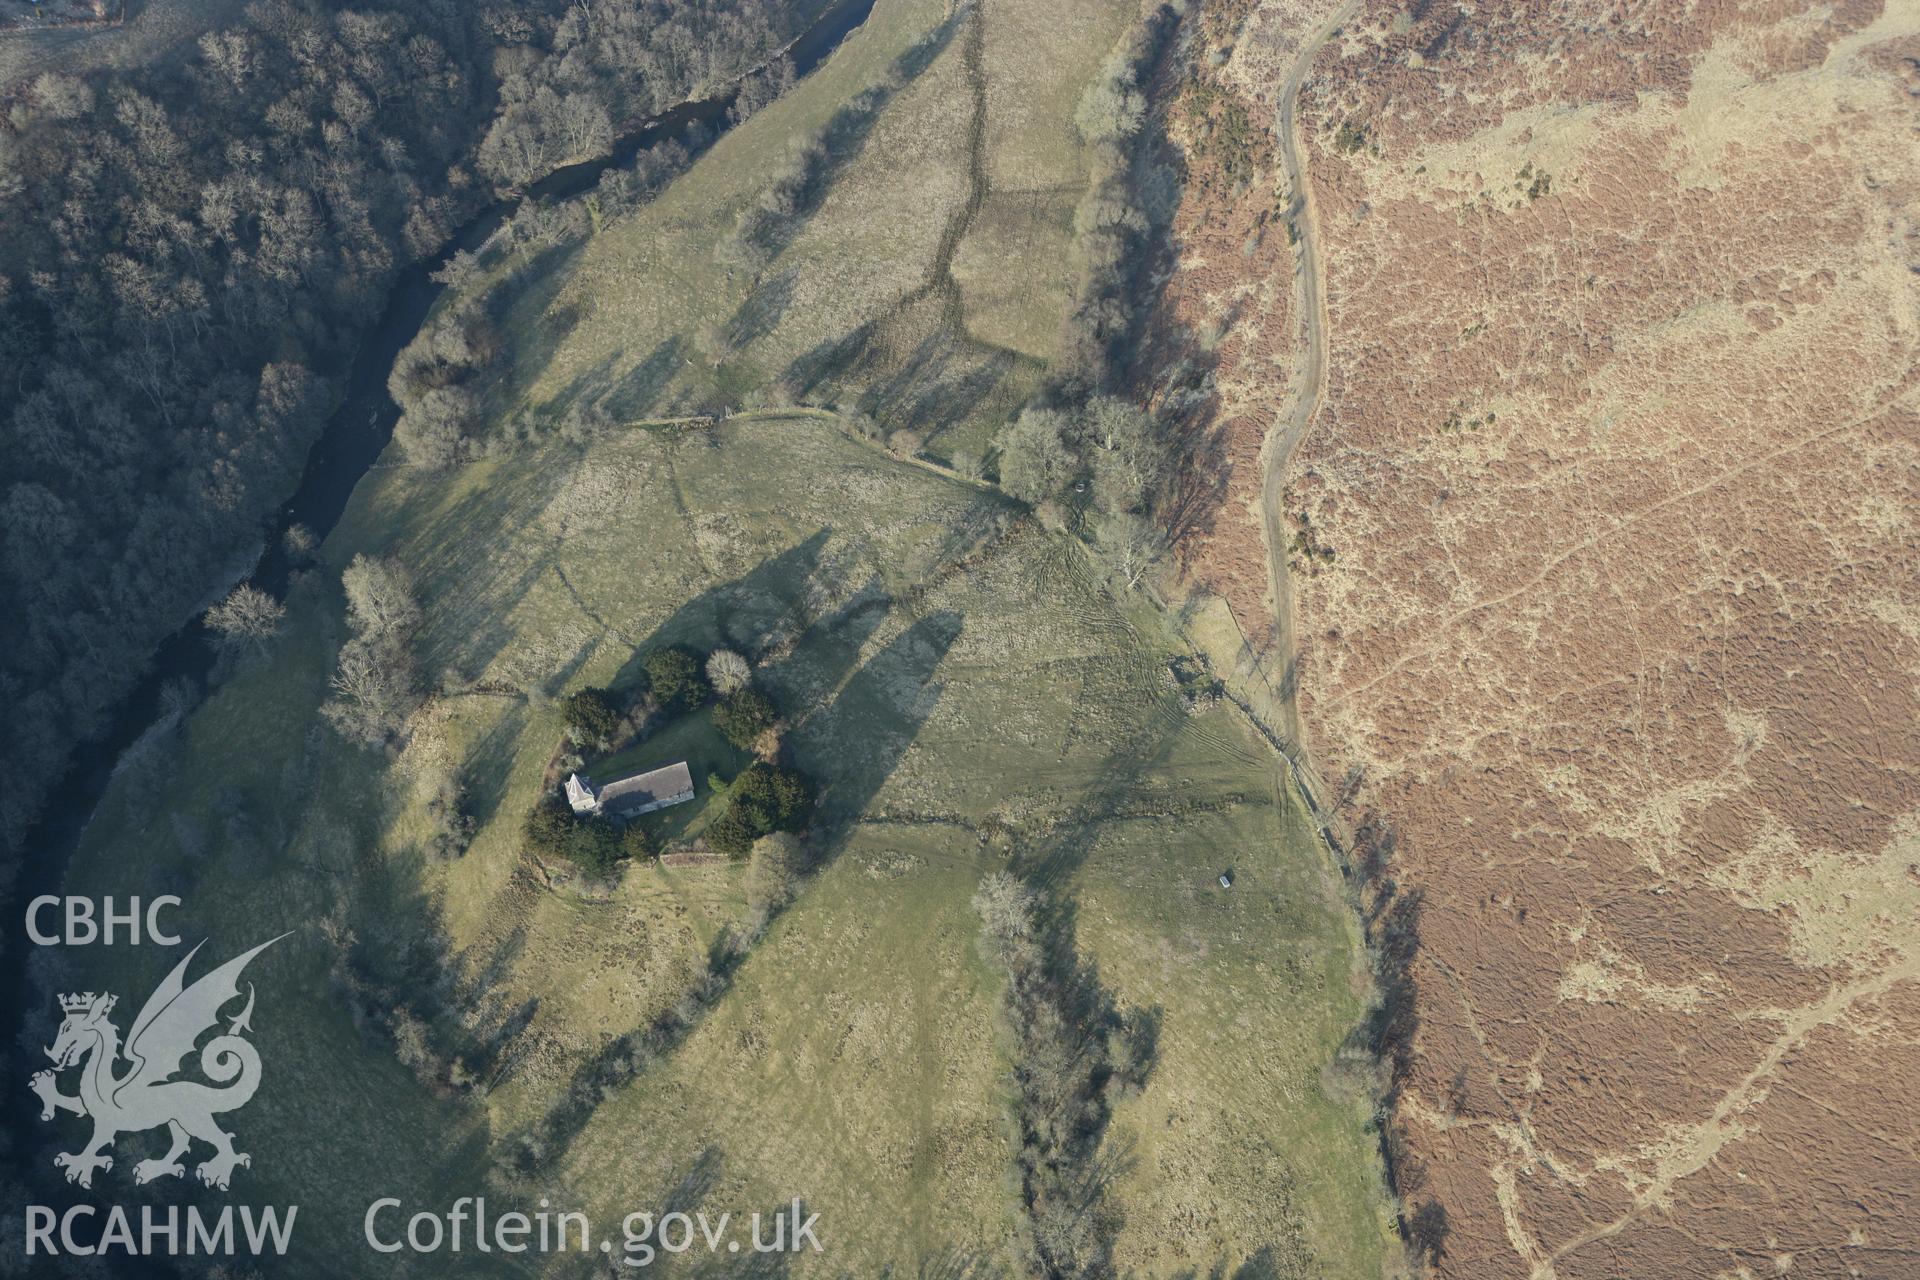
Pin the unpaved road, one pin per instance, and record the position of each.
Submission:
(1291, 426)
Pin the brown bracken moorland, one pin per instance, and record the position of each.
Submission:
(1601, 575)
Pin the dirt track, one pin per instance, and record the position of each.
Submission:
(1292, 426)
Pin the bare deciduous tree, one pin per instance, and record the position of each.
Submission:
(380, 597)
(247, 619)
(1135, 544)
(1035, 462)
(727, 671)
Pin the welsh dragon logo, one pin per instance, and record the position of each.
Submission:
(146, 1095)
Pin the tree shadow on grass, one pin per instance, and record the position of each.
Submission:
(488, 766)
(1051, 865)
(844, 136)
(410, 987)
(952, 1263)
(827, 360)
(453, 547)
(1069, 1168)
(582, 391)
(856, 744)
(762, 310)
(751, 613)
(522, 304)
(1262, 1264)
(688, 1195)
(941, 383)
(815, 662)
(637, 390)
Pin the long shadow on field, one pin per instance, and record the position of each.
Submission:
(1050, 867)
(488, 765)
(688, 1196)
(634, 395)
(1074, 1052)
(1392, 915)
(790, 204)
(945, 380)
(470, 613)
(856, 744)
(952, 1264)
(753, 613)
(407, 985)
(828, 359)
(940, 385)
(948, 1264)
(1262, 1264)
(522, 304)
(760, 314)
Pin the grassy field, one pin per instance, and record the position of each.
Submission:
(925, 283)
(963, 685)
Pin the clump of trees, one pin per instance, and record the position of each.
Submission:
(743, 716)
(675, 679)
(594, 844)
(374, 685)
(762, 88)
(1111, 448)
(194, 248)
(1110, 442)
(1080, 435)
(1074, 1054)
(762, 800)
(434, 383)
(189, 245)
(593, 716)
(542, 130)
(1035, 460)
(1114, 222)
(452, 821)
(626, 187)
(762, 229)
(1113, 107)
